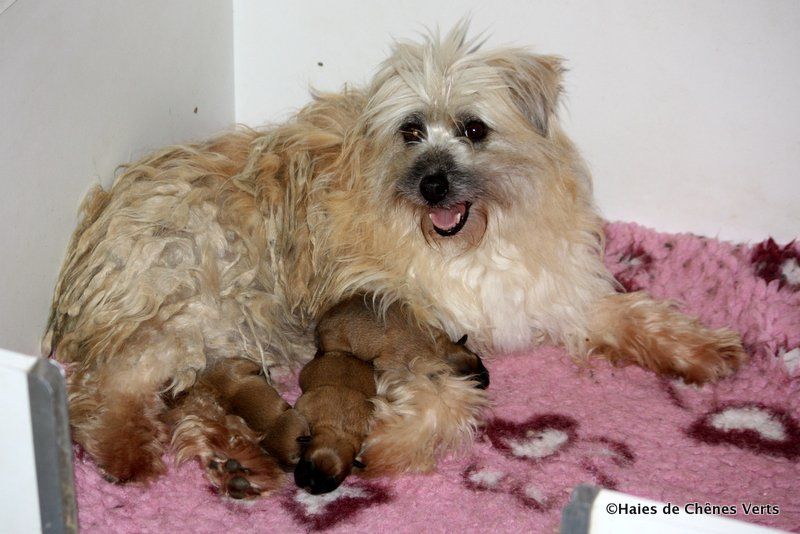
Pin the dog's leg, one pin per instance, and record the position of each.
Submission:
(120, 430)
(633, 328)
(209, 424)
(430, 389)
(422, 411)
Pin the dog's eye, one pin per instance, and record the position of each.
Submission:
(475, 130)
(412, 132)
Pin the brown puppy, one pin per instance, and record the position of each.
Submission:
(358, 327)
(222, 420)
(338, 384)
(337, 388)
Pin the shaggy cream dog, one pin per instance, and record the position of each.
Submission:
(446, 187)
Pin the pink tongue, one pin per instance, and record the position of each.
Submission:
(447, 218)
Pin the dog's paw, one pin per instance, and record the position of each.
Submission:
(246, 479)
(633, 328)
(139, 465)
(421, 413)
(466, 363)
(231, 478)
(712, 354)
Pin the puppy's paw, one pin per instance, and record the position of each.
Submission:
(464, 362)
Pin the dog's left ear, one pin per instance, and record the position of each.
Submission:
(534, 82)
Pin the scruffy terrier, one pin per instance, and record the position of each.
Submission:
(445, 188)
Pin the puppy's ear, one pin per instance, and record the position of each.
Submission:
(534, 82)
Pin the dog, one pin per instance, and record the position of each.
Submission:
(446, 187)
(356, 342)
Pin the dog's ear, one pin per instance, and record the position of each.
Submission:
(534, 82)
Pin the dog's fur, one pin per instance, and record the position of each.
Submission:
(234, 248)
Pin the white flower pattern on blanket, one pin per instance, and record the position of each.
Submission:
(511, 464)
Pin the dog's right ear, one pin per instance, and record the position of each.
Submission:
(534, 82)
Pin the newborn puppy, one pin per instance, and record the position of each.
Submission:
(355, 326)
(337, 388)
(242, 390)
(339, 383)
(207, 422)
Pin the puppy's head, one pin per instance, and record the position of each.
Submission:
(325, 462)
(458, 133)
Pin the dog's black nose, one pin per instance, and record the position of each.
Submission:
(312, 479)
(434, 187)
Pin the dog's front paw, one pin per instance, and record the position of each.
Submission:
(633, 328)
(464, 362)
(713, 354)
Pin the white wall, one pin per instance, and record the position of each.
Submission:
(688, 112)
(84, 86)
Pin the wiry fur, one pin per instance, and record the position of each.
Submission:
(235, 246)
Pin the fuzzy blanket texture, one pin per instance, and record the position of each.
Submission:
(556, 424)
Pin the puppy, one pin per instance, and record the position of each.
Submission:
(355, 341)
(337, 388)
(229, 419)
(446, 186)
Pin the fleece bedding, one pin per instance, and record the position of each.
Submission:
(555, 425)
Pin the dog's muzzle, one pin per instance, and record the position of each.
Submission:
(447, 221)
(436, 179)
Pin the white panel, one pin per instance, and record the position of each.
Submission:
(19, 501)
(686, 111)
(87, 85)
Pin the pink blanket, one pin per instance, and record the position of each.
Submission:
(556, 425)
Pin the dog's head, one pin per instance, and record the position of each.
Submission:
(458, 132)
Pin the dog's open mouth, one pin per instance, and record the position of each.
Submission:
(449, 221)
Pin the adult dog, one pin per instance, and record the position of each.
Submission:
(446, 187)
